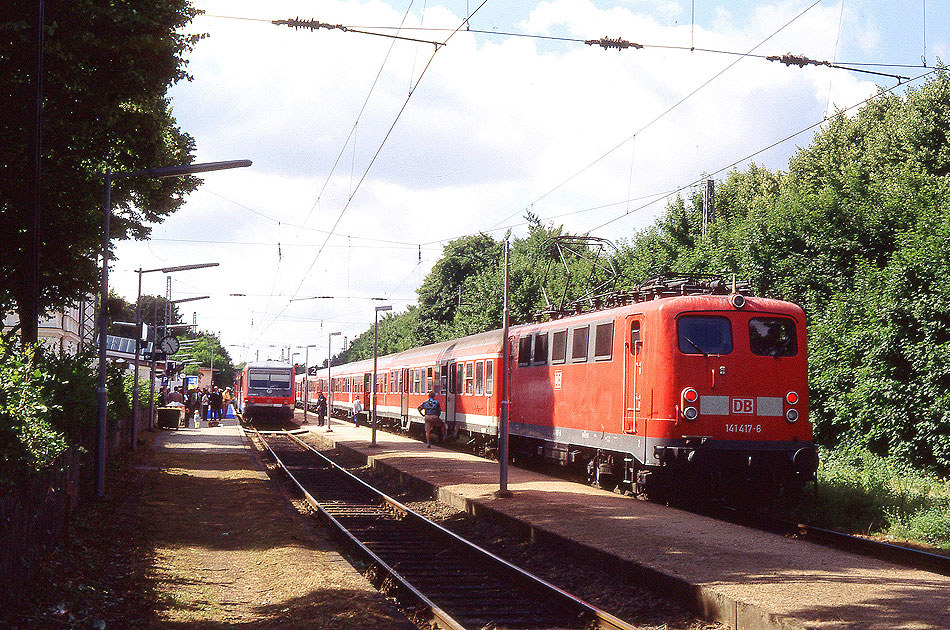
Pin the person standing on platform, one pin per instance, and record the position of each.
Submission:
(216, 404)
(205, 403)
(321, 409)
(226, 402)
(357, 410)
(432, 411)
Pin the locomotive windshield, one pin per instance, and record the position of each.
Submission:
(264, 380)
(773, 337)
(702, 334)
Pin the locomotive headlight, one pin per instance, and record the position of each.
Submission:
(792, 415)
(791, 398)
(690, 413)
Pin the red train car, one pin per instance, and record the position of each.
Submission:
(265, 389)
(704, 390)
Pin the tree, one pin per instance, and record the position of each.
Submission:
(107, 67)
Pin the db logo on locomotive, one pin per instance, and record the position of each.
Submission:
(743, 405)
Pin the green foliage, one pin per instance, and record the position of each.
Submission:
(859, 491)
(207, 346)
(28, 441)
(107, 67)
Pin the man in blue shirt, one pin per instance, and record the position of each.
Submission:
(432, 411)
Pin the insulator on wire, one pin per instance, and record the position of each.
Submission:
(311, 24)
(797, 60)
(608, 42)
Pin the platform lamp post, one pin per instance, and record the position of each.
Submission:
(329, 379)
(138, 336)
(306, 379)
(375, 350)
(101, 396)
(505, 367)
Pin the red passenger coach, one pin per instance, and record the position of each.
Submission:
(266, 389)
(687, 386)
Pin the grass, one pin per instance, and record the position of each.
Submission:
(862, 493)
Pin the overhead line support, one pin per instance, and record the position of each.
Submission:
(608, 42)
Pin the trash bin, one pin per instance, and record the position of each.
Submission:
(170, 417)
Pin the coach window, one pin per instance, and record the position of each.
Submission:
(459, 383)
(524, 350)
(704, 334)
(469, 378)
(559, 347)
(451, 370)
(540, 349)
(429, 385)
(489, 370)
(604, 341)
(479, 378)
(579, 344)
(635, 341)
(444, 377)
(772, 337)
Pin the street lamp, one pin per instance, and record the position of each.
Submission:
(375, 348)
(101, 395)
(306, 380)
(330, 380)
(138, 336)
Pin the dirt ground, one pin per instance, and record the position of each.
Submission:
(196, 540)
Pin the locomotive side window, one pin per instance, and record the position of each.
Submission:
(773, 337)
(541, 348)
(559, 347)
(579, 344)
(635, 342)
(489, 370)
(524, 350)
(704, 334)
(479, 378)
(604, 341)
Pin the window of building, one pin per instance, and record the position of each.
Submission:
(524, 350)
(479, 378)
(704, 334)
(489, 374)
(540, 349)
(559, 347)
(581, 336)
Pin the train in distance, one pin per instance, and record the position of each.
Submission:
(692, 386)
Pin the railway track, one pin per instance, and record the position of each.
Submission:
(448, 581)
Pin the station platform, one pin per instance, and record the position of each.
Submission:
(746, 579)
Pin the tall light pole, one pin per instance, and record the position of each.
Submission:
(306, 380)
(330, 380)
(138, 337)
(375, 349)
(503, 427)
(101, 395)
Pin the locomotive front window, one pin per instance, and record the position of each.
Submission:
(704, 334)
(772, 337)
(258, 380)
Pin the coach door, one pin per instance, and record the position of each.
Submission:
(404, 393)
(633, 421)
(448, 388)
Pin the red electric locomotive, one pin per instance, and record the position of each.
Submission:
(695, 389)
(265, 389)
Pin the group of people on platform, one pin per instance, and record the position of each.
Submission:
(209, 403)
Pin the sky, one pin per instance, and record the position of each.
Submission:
(370, 153)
